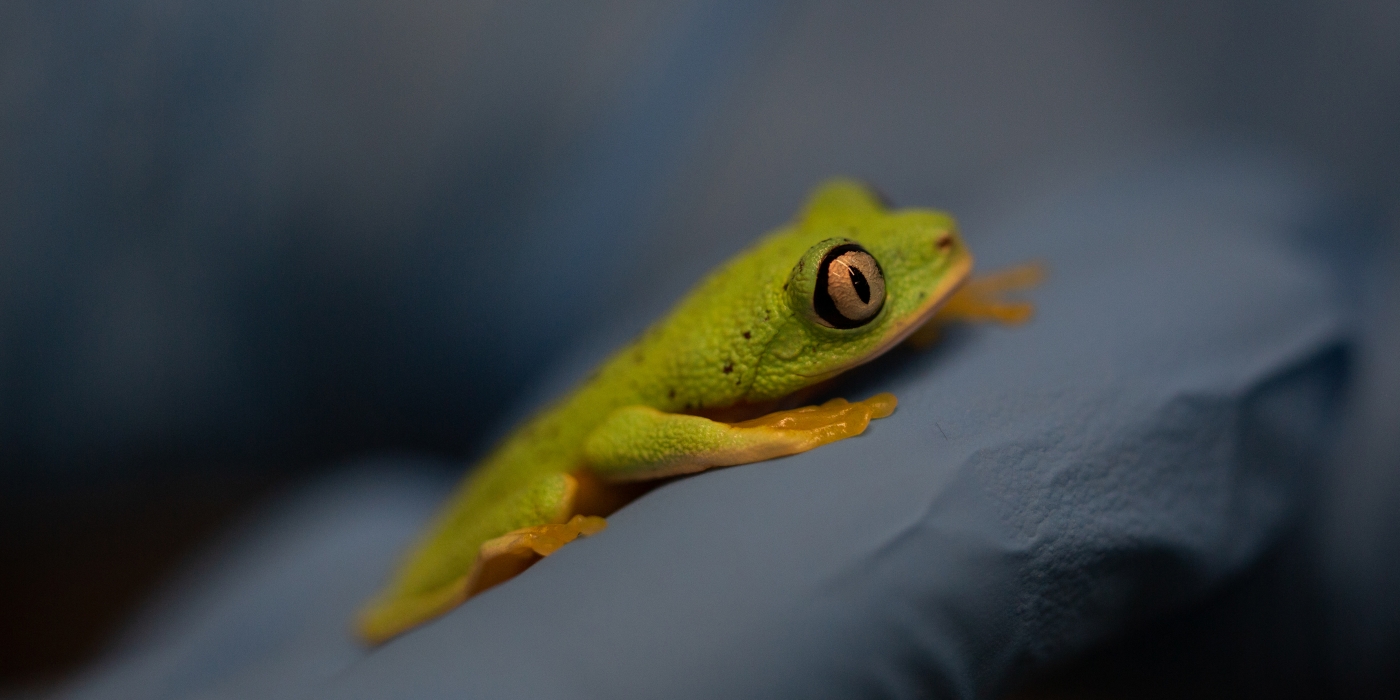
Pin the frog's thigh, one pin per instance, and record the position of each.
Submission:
(640, 442)
(497, 560)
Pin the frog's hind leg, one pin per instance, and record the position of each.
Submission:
(640, 442)
(983, 298)
(505, 557)
(467, 555)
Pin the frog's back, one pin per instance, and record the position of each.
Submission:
(684, 363)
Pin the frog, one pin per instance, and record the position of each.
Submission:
(718, 382)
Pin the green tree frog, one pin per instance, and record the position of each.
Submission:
(847, 280)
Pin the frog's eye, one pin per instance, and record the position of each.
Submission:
(850, 287)
(837, 284)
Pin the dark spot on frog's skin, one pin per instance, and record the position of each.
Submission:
(729, 367)
(746, 335)
(671, 394)
(765, 314)
(785, 284)
(801, 265)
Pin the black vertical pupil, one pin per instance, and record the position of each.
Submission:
(862, 287)
(824, 305)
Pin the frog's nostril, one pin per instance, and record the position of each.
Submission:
(944, 242)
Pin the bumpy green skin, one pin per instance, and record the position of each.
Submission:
(745, 335)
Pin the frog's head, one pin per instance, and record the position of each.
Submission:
(870, 276)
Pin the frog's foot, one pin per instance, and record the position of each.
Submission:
(983, 299)
(466, 556)
(505, 557)
(639, 442)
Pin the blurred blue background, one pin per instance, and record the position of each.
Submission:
(243, 242)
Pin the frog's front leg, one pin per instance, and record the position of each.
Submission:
(983, 298)
(639, 442)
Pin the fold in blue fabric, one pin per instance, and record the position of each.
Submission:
(1040, 489)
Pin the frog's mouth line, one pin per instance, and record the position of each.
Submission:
(957, 275)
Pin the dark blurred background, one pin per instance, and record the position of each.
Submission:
(243, 242)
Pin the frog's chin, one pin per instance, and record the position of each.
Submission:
(899, 330)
